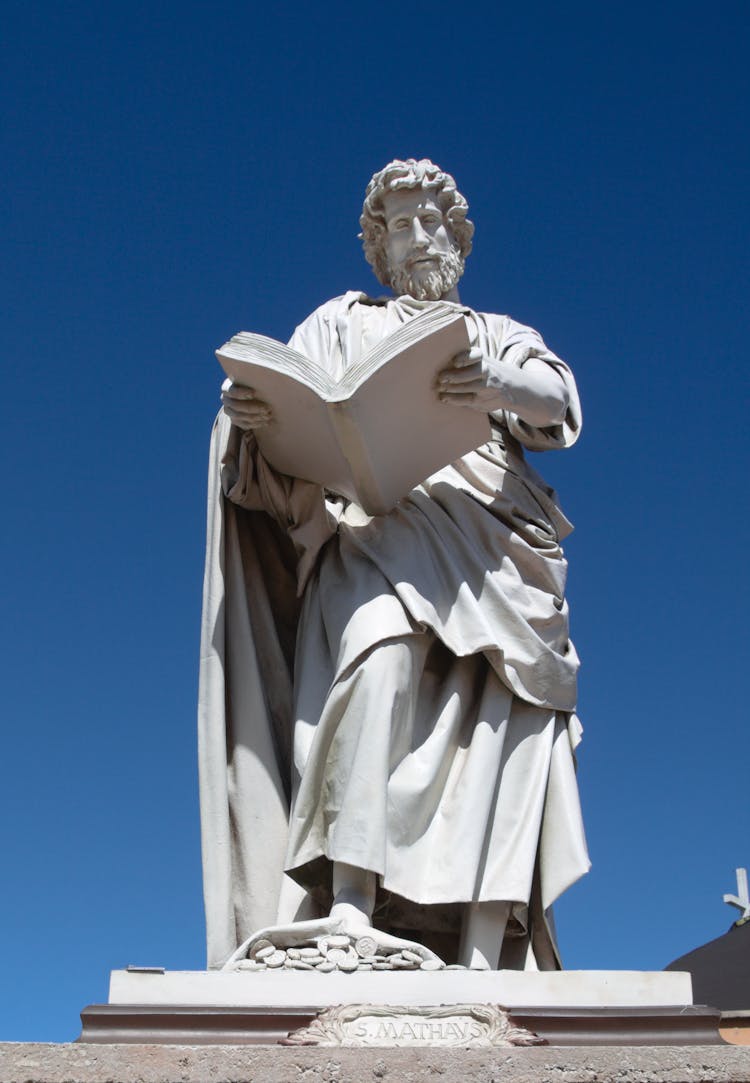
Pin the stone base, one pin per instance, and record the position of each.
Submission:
(34, 1063)
(568, 1008)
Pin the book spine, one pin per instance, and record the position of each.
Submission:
(354, 451)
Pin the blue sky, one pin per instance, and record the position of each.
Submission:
(177, 172)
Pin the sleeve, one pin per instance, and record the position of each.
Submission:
(318, 335)
(313, 336)
(515, 345)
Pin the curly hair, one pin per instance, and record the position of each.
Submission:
(410, 174)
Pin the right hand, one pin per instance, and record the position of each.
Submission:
(243, 408)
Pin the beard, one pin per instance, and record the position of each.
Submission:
(428, 282)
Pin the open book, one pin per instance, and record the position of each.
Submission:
(380, 430)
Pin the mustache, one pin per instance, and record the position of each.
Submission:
(419, 255)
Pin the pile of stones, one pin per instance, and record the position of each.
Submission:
(340, 952)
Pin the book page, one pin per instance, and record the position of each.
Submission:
(246, 352)
(428, 322)
(396, 432)
(300, 440)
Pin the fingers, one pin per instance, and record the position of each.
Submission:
(459, 398)
(462, 383)
(462, 376)
(248, 409)
(242, 407)
(243, 420)
(234, 392)
(467, 357)
(466, 367)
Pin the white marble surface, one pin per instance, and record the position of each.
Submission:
(429, 804)
(510, 988)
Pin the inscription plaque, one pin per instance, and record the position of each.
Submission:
(388, 1025)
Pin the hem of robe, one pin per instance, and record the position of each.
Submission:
(315, 875)
(529, 940)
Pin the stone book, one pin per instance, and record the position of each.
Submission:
(378, 431)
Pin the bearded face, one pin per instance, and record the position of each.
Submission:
(421, 253)
(427, 278)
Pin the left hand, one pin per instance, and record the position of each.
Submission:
(535, 392)
(472, 380)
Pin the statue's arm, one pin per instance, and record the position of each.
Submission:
(534, 392)
(512, 375)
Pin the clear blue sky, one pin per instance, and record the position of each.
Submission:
(177, 172)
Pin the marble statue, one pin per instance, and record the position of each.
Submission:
(387, 704)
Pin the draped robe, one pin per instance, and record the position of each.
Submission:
(409, 707)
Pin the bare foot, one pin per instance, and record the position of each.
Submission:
(382, 943)
(347, 921)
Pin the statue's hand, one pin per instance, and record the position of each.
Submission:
(243, 408)
(472, 380)
(535, 391)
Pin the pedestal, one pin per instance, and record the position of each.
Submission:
(568, 1008)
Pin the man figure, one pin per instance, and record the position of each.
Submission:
(431, 790)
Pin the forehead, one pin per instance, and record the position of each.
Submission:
(409, 201)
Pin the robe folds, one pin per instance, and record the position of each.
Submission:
(396, 692)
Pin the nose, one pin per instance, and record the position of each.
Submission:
(419, 237)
